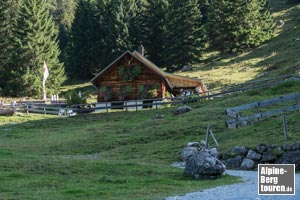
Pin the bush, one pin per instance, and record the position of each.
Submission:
(74, 98)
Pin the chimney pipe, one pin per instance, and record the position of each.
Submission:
(141, 49)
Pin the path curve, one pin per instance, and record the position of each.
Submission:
(246, 190)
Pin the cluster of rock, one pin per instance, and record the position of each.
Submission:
(201, 162)
(241, 157)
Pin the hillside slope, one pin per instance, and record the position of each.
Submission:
(277, 57)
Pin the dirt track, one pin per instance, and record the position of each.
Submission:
(241, 191)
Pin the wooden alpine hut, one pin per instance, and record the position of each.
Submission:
(132, 76)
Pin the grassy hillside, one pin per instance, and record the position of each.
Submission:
(123, 155)
(277, 57)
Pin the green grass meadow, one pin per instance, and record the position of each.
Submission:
(96, 156)
(124, 155)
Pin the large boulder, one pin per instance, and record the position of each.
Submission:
(202, 164)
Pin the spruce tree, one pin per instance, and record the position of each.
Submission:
(83, 41)
(238, 25)
(153, 29)
(36, 41)
(204, 5)
(184, 34)
(63, 12)
(117, 28)
(7, 19)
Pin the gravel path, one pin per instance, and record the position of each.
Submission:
(241, 191)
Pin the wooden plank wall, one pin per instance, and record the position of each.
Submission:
(112, 78)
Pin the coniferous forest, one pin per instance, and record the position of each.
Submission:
(78, 38)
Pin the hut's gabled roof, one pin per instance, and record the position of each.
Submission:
(173, 81)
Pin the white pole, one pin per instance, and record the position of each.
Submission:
(44, 92)
(45, 76)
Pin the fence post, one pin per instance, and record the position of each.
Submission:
(106, 107)
(285, 128)
(206, 139)
(27, 109)
(126, 106)
(215, 140)
(136, 106)
(45, 111)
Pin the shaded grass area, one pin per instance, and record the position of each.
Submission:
(96, 156)
(24, 177)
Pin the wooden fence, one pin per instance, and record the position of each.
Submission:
(135, 105)
(140, 104)
(40, 108)
(54, 110)
(250, 85)
(234, 117)
(218, 92)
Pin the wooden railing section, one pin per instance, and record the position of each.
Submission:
(235, 119)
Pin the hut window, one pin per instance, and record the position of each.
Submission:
(148, 91)
(107, 92)
(125, 91)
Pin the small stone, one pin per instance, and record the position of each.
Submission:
(261, 148)
(182, 109)
(277, 151)
(224, 156)
(291, 157)
(268, 157)
(239, 150)
(234, 163)
(213, 152)
(193, 144)
(186, 68)
(247, 164)
(253, 155)
(287, 147)
(295, 147)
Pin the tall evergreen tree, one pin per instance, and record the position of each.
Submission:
(7, 19)
(118, 23)
(239, 25)
(153, 29)
(136, 8)
(204, 7)
(185, 34)
(36, 41)
(83, 41)
(63, 12)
